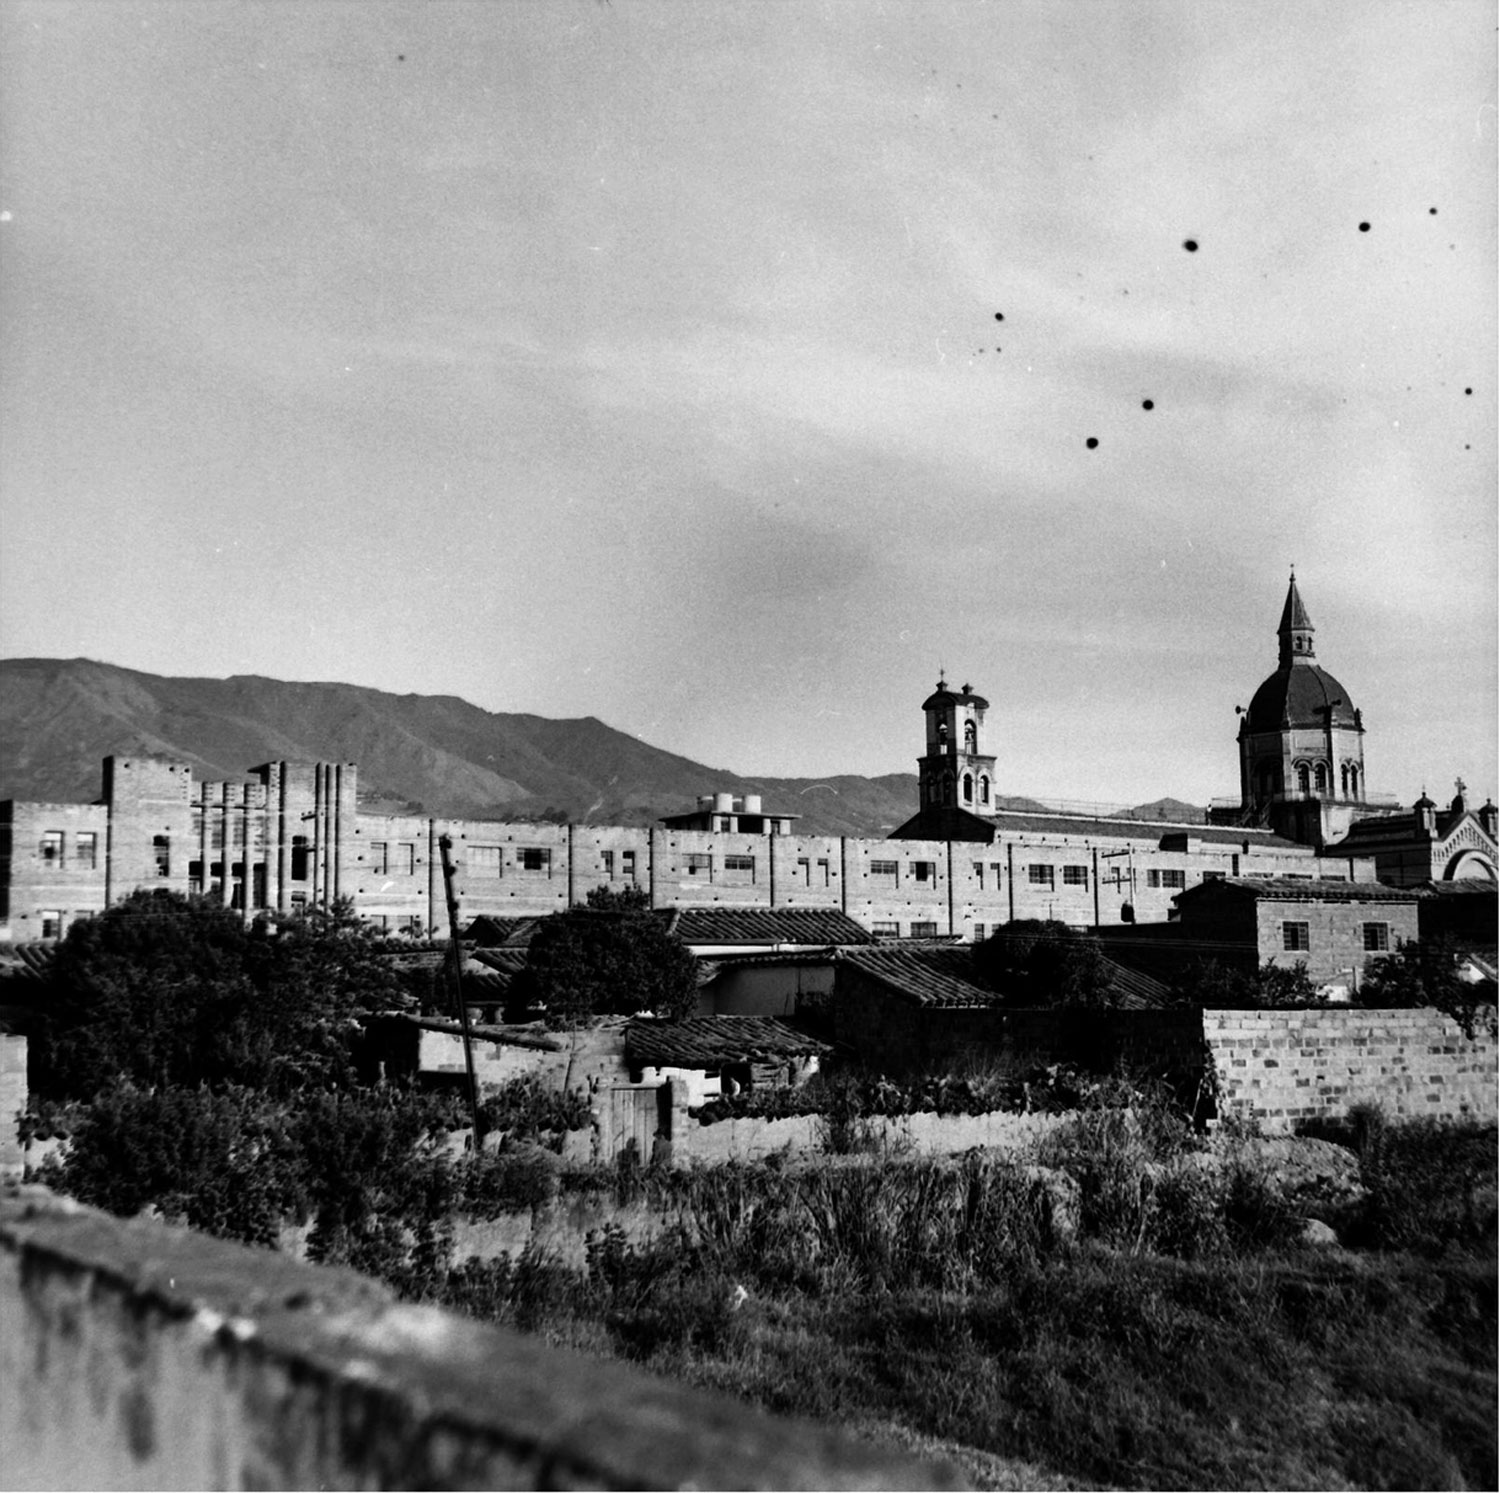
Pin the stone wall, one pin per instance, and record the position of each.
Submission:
(1289, 1069)
(133, 1355)
(13, 1102)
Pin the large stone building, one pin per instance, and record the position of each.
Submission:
(292, 835)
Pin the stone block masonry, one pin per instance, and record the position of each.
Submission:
(133, 1355)
(1287, 1070)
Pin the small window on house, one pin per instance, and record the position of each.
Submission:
(1377, 938)
(1320, 777)
(299, 900)
(299, 862)
(924, 870)
(216, 834)
(627, 865)
(739, 867)
(607, 861)
(804, 870)
(1294, 937)
(825, 876)
(52, 921)
(1039, 875)
(984, 788)
(161, 854)
(535, 858)
(995, 872)
(695, 863)
(978, 932)
(258, 885)
(979, 874)
(924, 930)
(886, 930)
(1213, 876)
(1075, 875)
(377, 857)
(86, 850)
(51, 848)
(722, 823)
(483, 860)
(404, 858)
(883, 868)
(968, 787)
(1304, 781)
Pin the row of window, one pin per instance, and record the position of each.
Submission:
(1310, 777)
(893, 930)
(53, 849)
(1296, 938)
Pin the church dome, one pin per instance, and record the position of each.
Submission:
(1297, 696)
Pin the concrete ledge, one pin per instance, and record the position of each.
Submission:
(134, 1355)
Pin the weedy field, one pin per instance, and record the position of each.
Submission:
(1116, 1312)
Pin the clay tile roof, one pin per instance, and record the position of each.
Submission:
(712, 1041)
(1290, 889)
(766, 925)
(924, 974)
(28, 961)
(492, 932)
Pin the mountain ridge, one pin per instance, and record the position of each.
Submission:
(432, 754)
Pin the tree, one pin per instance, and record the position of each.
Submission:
(170, 991)
(613, 957)
(1226, 987)
(1035, 962)
(1424, 972)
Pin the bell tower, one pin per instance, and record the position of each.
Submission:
(955, 772)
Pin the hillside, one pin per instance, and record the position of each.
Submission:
(60, 717)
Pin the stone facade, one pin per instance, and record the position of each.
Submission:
(291, 836)
(1289, 1070)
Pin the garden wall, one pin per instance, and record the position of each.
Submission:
(1286, 1069)
(133, 1355)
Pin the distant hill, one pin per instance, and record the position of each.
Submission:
(433, 753)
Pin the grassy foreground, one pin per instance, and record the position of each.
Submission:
(1127, 1318)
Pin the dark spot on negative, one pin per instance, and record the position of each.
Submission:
(1091, 443)
(1364, 227)
(1432, 211)
(1468, 391)
(1148, 404)
(1191, 245)
(999, 316)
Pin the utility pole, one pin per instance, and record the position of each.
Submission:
(445, 846)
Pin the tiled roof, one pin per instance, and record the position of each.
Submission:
(925, 974)
(1290, 889)
(505, 962)
(765, 925)
(1136, 991)
(27, 961)
(1086, 826)
(711, 1041)
(1470, 887)
(490, 932)
(509, 1036)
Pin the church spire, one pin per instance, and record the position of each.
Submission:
(1296, 630)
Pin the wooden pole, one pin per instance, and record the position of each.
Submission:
(445, 845)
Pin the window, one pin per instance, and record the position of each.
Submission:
(979, 874)
(51, 848)
(535, 858)
(722, 823)
(886, 930)
(52, 920)
(697, 864)
(607, 860)
(483, 860)
(1039, 875)
(804, 870)
(299, 863)
(1213, 876)
(1075, 875)
(968, 787)
(924, 930)
(1294, 937)
(1320, 777)
(978, 932)
(824, 874)
(195, 878)
(377, 855)
(86, 850)
(299, 901)
(161, 854)
(404, 858)
(1377, 938)
(924, 870)
(883, 868)
(971, 736)
(1167, 878)
(627, 865)
(984, 788)
(739, 867)
(995, 872)
(1303, 780)
(216, 834)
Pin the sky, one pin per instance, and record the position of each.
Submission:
(728, 371)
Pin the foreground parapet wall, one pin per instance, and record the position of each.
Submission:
(133, 1355)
